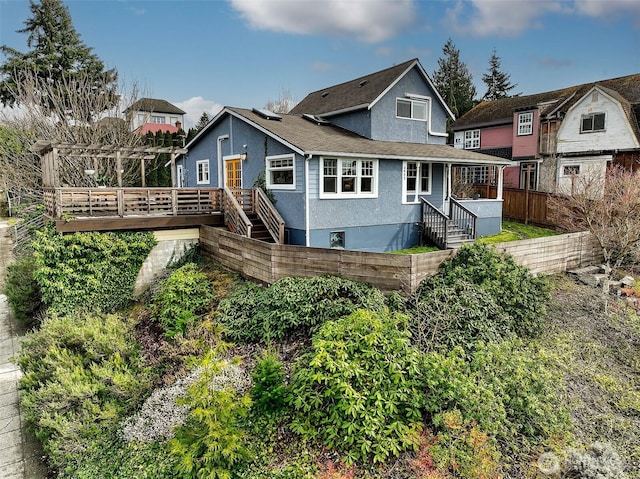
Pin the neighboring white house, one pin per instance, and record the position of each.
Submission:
(153, 115)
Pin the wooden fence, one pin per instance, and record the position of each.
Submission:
(520, 205)
(267, 263)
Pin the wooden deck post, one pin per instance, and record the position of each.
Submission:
(173, 170)
(119, 168)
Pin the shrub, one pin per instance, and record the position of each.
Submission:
(22, 290)
(94, 272)
(269, 392)
(510, 390)
(253, 313)
(211, 443)
(81, 375)
(449, 313)
(521, 295)
(359, 389)
(184, 295)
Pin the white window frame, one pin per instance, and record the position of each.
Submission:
(572, 166)
(413, 103)
(180, 176)
(159, 119)
(270, 168)
(593, 122)
(342, 162)
(202, 172)
(406, 193)
(471, 139)
(525, 123)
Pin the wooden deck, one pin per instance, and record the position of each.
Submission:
(104, 209)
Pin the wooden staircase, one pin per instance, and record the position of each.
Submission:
(448, 231)
(259, 230)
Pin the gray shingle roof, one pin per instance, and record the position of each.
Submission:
(155, 105)
(625, 89)
(360, 92)
(310, 138)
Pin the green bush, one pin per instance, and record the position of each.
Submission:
(269, 392)
(93, 272)
(454, 312)
(22, 290)
(259, 314)
(359, 389)
(509, 389)
(212, 442)
(184, 295)
(81, 375)
(521, 295)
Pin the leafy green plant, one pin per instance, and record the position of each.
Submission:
(22, 290)
(81, 375)
(253, 313)
(359, 389)
(94, 272)
(180, 298)
(521, 295)
(269, 392)
(212, 442)
(511, 390)
(454, 312)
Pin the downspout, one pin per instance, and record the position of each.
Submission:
(221, 138)
(434, 133)
(307, 215)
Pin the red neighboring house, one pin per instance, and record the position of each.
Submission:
(151, 115)
(555, 137)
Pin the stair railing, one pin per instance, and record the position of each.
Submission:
(234, 216)
(269, 215)
(463, 218)
(435, 224)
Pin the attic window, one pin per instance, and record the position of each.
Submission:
(267, 114)
(413, 109)
(363, 83)
(592, 122)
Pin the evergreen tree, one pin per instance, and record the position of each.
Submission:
(454, 81)
(498, 82)
(204, 121)
(57, 57)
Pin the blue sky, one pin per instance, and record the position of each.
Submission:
(203, 54)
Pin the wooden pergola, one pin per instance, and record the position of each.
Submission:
(50, 152)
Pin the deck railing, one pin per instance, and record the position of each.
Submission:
(435, 224)
(124, 202)
(269, 215)
(462, 218)
(234, 211)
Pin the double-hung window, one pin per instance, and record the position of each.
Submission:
(412, 109)
(471, 139)
(417, 180)
(525, 123)
(348, 178)
(592, 122)
(202, 171)
(158, 119)
(281, 172)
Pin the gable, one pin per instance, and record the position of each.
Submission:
(599, 120)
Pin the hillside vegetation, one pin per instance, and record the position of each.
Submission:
(485, 372)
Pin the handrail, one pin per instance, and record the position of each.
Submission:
(269, 215)
(463, 218)
(234, 216)
(435, 223)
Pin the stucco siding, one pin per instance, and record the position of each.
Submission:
(378, 238)
(357, 121)
(489, 212)
(386, 126)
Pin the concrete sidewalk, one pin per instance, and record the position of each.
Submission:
(20, 452)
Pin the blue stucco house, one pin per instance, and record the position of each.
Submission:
(362, 165)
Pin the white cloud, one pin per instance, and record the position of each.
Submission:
(510, 18)
(194, 107)
(609, 9)
(371, 21)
